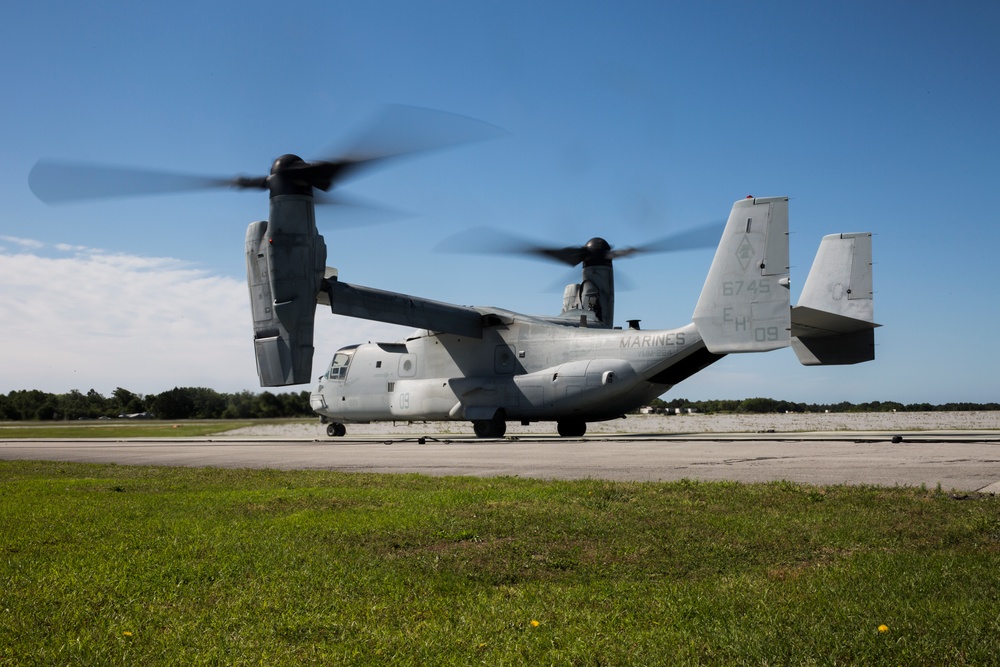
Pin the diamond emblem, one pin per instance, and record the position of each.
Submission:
(745, 253)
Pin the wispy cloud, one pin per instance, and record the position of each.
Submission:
(66, 247)
(79, 318)
(28, 244)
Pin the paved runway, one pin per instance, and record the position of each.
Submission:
(966, 462)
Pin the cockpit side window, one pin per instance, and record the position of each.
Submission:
(339, 365)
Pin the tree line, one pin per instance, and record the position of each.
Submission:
(203, 403)
(177, 403)
(771, 405)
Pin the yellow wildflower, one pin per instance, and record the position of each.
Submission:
(883, 628)
(534, 623)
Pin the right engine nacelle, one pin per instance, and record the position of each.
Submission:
(286, 257)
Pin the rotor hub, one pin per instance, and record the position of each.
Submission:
(289, 176)
(597, 252)
(285, 162)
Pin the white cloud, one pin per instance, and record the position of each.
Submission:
(84, 318)
(22, 243)
(66, 247)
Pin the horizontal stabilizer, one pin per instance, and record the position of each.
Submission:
(852, 348)
(744, 306)
(808, 322)
(833, 322)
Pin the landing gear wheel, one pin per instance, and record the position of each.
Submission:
(571, 429)
(336, 430)
(489, 428)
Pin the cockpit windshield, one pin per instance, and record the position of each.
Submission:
(338, 367)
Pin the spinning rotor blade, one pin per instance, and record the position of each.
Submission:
(55, 182)
(353, 211)
(595, 251)
(399, 131)
(703, 236)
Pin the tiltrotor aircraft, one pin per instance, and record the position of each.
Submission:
(489, 365)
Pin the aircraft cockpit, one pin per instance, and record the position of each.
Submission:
(340, 364)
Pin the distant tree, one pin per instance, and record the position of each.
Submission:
(239, 406)
(675, 403)
(74, 405)
(296, 404)
(720, 405)
(8, 412)
(758, 405)
(207, 403)
(173, 404)
(127, 403)
(267, 406)
(48, 410)
(97, 405)
(30, 404)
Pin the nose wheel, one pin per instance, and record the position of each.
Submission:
(336, 430)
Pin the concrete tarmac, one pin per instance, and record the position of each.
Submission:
(963, 462)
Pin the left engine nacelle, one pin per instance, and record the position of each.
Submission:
(286, 257)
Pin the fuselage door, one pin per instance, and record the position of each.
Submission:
(504, 360)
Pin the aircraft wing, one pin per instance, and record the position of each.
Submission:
(395, 308)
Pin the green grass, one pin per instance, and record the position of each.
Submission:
(122, 429)
(107, 565)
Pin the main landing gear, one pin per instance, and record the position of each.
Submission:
(489, 428)
(571, 428)
(495, 428)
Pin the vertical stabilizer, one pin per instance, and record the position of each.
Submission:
(833, 321)
(840, 280)
(744, 306)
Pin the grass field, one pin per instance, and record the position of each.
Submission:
(114, 565)
(122, 429)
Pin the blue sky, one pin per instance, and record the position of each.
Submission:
(626, 120)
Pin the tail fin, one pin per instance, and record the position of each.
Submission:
(833, 321)
(744, 306)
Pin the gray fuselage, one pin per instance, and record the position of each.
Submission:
(522, 369)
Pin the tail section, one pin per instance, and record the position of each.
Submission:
(744, 306)
(833, 322)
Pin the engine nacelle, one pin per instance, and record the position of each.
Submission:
(286, 257)
(593, 297)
